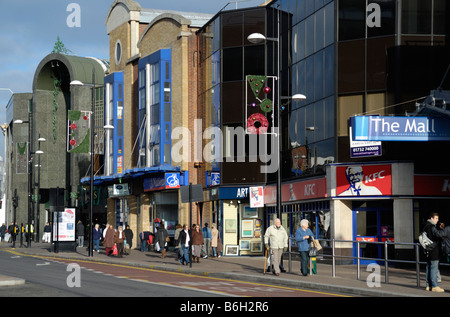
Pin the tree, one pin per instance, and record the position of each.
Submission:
(59, 47)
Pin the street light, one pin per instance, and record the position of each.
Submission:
(30, 160)
(91, 185)
(258, 38)
(38, 214)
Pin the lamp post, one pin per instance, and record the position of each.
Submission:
(38, 214)
(258, 38)
(107, 127)
(91, 149)
(29, 162)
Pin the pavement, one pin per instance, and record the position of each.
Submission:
(402, 282)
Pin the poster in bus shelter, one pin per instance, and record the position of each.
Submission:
(64, 225)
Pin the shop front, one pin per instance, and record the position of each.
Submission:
(161, 193)
(305, 199)
(371, 203)
(241, 227)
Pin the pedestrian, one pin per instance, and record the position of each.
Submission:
(80, 233)
(276, 239)
(219, 246)
(197, 242)
(214, 240)
(105, 230)
(178, 229)
(2, 232)
(96, 236)
(162, 238)
(47, 233)
(432, 266)
(185, 244)
(303, 236)
(119, 238)
(145, 237)
(444, 233)
(129, 239)
(27, 233)
(207, 239)
(108, 242)
(13, 230)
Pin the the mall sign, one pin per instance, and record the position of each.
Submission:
(377, 128)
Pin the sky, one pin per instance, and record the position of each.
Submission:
(30, 28)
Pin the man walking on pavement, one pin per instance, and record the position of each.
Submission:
(276, 238)
(433, 255)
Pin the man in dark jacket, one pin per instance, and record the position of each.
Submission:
(444, 233)
(433, 255)
(185, 244)
(80, 233)
(145, 236)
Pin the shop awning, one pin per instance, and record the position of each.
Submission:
(129, 174)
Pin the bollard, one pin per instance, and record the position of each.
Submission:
(358, 260)
(333, 253)
(314, 265)
(386, 262)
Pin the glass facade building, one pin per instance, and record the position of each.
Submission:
(348, 57)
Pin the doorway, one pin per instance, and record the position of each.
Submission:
(372, 222)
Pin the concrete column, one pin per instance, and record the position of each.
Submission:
(403, 227)
(342, 227)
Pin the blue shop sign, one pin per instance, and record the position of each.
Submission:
(172, 180)
(378, 128)
(212, 179)
(233, 192)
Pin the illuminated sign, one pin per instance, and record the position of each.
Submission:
(377, 128)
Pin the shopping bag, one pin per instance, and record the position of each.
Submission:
(316, 244)
(115, 250)
(312, 251)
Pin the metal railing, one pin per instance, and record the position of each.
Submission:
(359, 258)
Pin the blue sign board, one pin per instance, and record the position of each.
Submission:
(377, 128)
(172, 180)
(233, 193)
(212, 178)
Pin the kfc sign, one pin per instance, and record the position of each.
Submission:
(363, 180)
(312, 189)
(432, 185)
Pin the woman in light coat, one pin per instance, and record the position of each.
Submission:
(214, 240)
(119, 238)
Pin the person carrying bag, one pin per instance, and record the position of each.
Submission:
(303, 236)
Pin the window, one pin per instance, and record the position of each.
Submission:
(352, 19)
(232, 61)
(416, 16)
(155, 117)
(118, 52)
